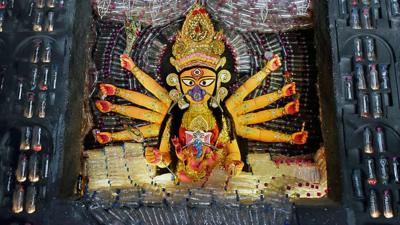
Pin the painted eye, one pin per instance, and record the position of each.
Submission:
(188, 82)
(206, 82)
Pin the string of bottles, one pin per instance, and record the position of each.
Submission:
(41, 14)
(380, 169)
(37, 91)
(26, 181)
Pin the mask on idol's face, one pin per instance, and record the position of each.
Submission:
(196, 83)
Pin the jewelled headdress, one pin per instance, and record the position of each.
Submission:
(197, 44)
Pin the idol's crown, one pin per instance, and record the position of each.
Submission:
(197, 44)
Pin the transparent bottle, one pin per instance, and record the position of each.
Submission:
(371, 172)
(45, 166)
(47, 53)
(368, 145)
(373, 207)
(54, 77)
(34, 76)
(50, 22)
(34, 169)
(358, 50)
(384, 76)
(38, 21)
(1, 20)
(387, 204)
(20, 90)
(31, 199)
(376, 105)
(384, 170)
(39, 4)
(42, 104)
(18, 199)
(28, 109)
(374, 79)
(361, 82)
(380, 140)
(343, 7)
(364, 106)
(366, 18)
(395, 8)
(349, 91)
(45, 78)
(51, 3)
(37, 139)
(355, 19)
(22, 168)
(370, 48)
(396, 172)
(37, 45)
(26, 135)
(357, 184)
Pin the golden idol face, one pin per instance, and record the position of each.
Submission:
(198, 84)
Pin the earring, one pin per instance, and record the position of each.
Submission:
(224, 76)
(175, 94)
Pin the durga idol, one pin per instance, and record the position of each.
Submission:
(197, 120)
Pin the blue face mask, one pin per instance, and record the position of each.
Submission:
(197, 93)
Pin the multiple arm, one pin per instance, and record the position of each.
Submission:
(146, 108)
(242, 115)
(153, 110)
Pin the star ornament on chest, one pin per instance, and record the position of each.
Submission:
(203, 137)
(198, 139)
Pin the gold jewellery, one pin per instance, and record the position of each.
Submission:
(197, 44)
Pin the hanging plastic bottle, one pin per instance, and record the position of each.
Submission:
(361, 82)
(376, 105)
(383, 68)
(349, 91)
(37, 139)
(357, 184)
(34, 169)
(380, 140)
(367, 137)
(366, 18)
(358, 50)
(364, 106)
(384, 170)
(371, 172)
(370, 48)
(374, 79)
(355, 18)
(373, 207)
(22, 168)
(18, 199)
(396, 172)
(26, 135)
(31, 199)
(387, 205)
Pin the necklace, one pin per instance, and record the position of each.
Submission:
(198, 118)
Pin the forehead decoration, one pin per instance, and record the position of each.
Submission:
(197, 44)
(197, 73)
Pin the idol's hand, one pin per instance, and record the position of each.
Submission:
(292, 107)
(126, 62)
(289, 89)
(152, 155)
(273, 64)
(234, 167)
(300, 138)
